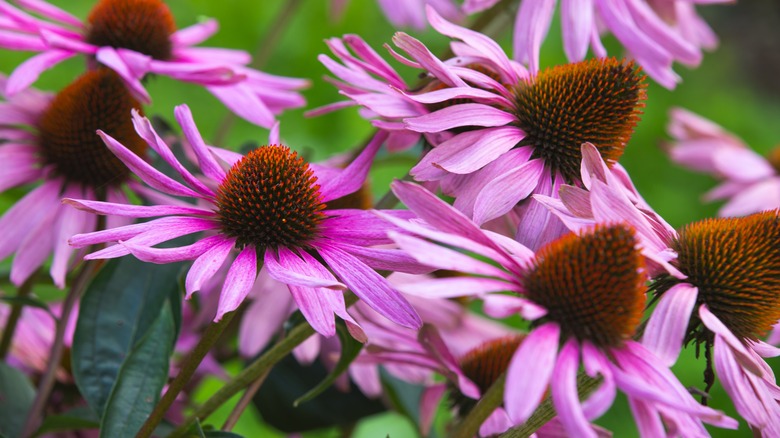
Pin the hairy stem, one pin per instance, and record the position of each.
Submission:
(469, 426)
(188, 367)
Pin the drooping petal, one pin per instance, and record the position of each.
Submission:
(239, 281)
(288, 268)
(206, 266)
(564, 392)
(530, 371)
(372, 288)
(668, 324)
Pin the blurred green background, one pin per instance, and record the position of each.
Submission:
(735, 86)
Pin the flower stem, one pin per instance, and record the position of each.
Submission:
(13, 317)
(252, 373)
(55, 354)
(244, 402)
(492, 399)
(262, 54)
(190, 364)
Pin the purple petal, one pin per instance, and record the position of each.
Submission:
(111, 58)
(385, 259)
(352, 177)
(172, 255)
(531, 26)
(288, 268)
(189, 224)
(69, 223)
(207, 265)
(265, 316)
(370, 287)
(20, 219)
(494, 199)
(137, 211)
(241, 99)
(144, 128)
(482, 43)
(530, 370)
(577, 22)
(429, 402)
(195, 34)
(29, 71)
(668, 324)
(504, 306)
(239, 281)
(50, 11)
(564, 392)
(466, 114)
(738, 348)
(146, 171)
(34, 248)
(427, 60)
(454, 287)
(467, 152)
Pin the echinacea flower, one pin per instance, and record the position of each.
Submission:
(730, 299)
(137, 38)
(269, 208)
(53, 140)
(654, 32)
(585, 295)
(369, 81)
(517, 130)
(750, 182)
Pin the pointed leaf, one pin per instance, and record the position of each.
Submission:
(116, 311)
(141, 379)
(16, 396)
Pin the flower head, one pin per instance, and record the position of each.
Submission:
(52, 139)
(585, 295)
(138, 38)
(268, 208)
(514, 128)
(750, 182)
(733, 282)
(654, 32)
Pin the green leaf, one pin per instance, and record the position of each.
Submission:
(16, 396)
(78, 418)
(26, 301)
(350, 348)
(141, 379)
(116, 311)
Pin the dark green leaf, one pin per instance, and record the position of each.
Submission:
(116, 311)
(141, 379)
(75, 419)
(16, 396)
(26, 301)
(350, 348)
(195, 430)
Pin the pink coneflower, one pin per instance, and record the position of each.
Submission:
(730, 298)
(269, 205)
(137, 38)
(369, 81)
(512, 129)
(585, 294)
(751, 183)
(53, 140)
(654, 32)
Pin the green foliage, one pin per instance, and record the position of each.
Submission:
(16, 396)
(121, 305)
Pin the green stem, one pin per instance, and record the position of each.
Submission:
(188, 367)
(269, 41)
(244, 402)
(55, 354)
(13, 317)
(469, 426)
(250, 374)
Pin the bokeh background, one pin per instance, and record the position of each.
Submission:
(736, 86)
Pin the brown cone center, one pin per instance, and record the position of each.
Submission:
(67, 129)
(144, 26)
(269, 199)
